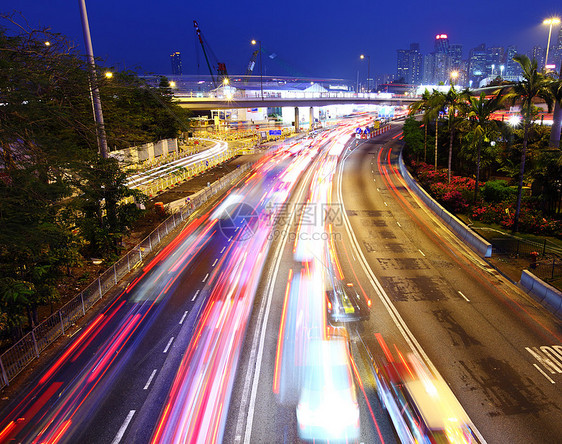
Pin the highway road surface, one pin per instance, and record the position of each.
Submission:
(321, 251)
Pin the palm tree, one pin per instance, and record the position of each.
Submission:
(437, 104)
(533, 85)
(479, 112)
(456, 104)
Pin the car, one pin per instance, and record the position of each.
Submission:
(421, 405)
(327, 408)
(344, 304)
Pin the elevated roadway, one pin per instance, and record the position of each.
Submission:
(208, 103)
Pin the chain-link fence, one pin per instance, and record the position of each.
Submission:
(15, 359)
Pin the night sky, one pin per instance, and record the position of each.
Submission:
(310, 38)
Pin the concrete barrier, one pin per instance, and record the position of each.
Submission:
(542, 292)
(476, 242)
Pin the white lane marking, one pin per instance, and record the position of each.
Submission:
(123, 428)
(385, 204)
(230, 238)
(391, 309)
(215, 263)
(206, 276)
(398, 223)
(149, 380)
(465, 298)
(543, 373)
(422, 253)
(223, 248)
(183, 317)
(168, 346)
(195, 295)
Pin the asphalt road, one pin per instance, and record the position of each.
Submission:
(496, 348)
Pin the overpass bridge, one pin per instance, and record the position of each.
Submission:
(204, 103)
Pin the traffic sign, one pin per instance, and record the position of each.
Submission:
(358, 130)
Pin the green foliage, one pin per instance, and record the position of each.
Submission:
(495, 191)
(413, 136)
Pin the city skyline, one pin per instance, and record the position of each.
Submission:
(321, 40)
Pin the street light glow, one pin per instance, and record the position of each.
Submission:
(108, 74)
(47, 43)
(254, 42)
(454, 74)
(549, 21)
(172, 84)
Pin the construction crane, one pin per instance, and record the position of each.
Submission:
(252, 62)
(221, 67)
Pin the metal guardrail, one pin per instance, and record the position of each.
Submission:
(23, 352)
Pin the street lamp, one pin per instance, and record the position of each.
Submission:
(502, 67)
(454, 76)
(368, 69)
(108, 75)
(95, 92)
(261, 66)
(550, 21)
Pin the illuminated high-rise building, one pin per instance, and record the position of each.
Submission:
(494, 59)
(441, 44)
(512, 68)
(409, 64)
(477, 64)
(538, 53)
(176, 63)
(557, 50)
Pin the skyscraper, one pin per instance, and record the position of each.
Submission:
(441, 44)
(477, 64)
(409, 64)
(494, 59)
(512, 68)
(538, 53)
(176, 63)
(455, 51)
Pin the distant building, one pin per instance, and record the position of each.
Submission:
(441, 44)
(512, 68)
(409, 64)
(494, 59)
(176, 64)
(455, 51)
(477, 64)
(538, 54)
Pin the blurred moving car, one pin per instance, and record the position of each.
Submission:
(422, 407)
(344, 304)
(327, 408)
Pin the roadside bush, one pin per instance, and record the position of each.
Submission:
(497, 191)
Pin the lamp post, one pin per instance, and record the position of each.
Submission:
(368, 69)
(550, 21)
(95, 92)
(261, 66)
(502, 67)
(454, 75)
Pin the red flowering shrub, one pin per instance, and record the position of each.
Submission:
(457, 195)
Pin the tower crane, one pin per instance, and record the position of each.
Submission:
(221, 67)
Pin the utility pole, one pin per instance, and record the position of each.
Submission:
(94, 91)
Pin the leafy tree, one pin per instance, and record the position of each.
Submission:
(481, 125)
(556, 91)
(455, 103)
(432, 104)
(533, 85)
(413, 136)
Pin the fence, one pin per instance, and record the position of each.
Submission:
(16, 358)
(548, 270)
(543, 261)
